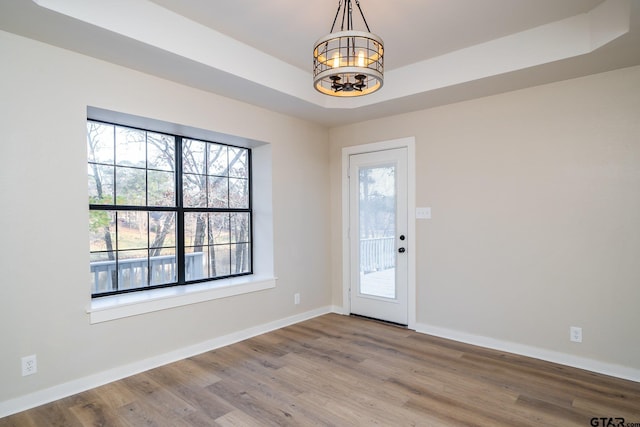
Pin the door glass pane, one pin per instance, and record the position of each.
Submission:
(377, 220)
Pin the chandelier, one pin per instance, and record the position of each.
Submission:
(348, 62)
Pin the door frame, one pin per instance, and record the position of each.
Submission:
(409, 144)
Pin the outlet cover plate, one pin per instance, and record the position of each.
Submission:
(29, 365)
(575, 334)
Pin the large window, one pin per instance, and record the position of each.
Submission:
(165, 210)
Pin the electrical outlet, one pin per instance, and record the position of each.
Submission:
(575, 334)
(296, 298)
(29, 365)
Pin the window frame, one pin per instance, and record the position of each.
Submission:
(180, 210)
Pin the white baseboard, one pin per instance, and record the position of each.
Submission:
(610, 369)
(339, 310)
(60, 391)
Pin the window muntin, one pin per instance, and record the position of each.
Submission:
(160, 219)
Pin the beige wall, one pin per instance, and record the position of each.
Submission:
(43, 220)
(536, 215)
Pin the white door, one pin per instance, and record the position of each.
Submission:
(378, 235)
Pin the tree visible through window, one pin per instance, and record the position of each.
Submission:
(165, 210)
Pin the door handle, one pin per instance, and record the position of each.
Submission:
(401, 250)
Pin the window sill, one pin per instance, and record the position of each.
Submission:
(135, 303)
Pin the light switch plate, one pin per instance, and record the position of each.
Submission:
(423, 213)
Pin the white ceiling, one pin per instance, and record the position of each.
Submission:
(412, 30)
(257, 51)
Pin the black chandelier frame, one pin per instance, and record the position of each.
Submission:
(348, 62)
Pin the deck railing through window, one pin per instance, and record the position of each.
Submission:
(132, 272)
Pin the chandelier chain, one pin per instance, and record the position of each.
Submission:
(336, 17)
(362, 14)
(347, 13)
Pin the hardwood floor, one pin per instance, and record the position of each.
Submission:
(345, 371)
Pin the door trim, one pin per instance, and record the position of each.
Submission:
(409, 144)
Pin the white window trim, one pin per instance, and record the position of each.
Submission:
(114, 307)
(120, 306)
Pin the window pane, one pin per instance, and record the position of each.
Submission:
(194, 191)
(130, 147)
(240, 227)
(132, 230)
(221, 260)
(162, 230)
(102, 272)
(195, 229)
(238, 162)
(217, 160)
(196, 263)
(193, 156)
(161, 188)
(130, 186)
(218, 192)
(132, 269)
(160, 151)
(102, 230)
(100, 184)
(163, 267)
(219, 226)
(100, 143)
(240, 258)
(238, 193)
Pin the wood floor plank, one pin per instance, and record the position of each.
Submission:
(237, 419)
(199, 419)
(55, 415)
(195, 396)
(565, 416)
(614, 407)
(22, 419)
(154, 402)
(140, 414)
(343, 371)
(250, 404)
(115, 394)
(97, 414)
(187, 372)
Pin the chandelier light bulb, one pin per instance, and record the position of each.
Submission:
(336, 60)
